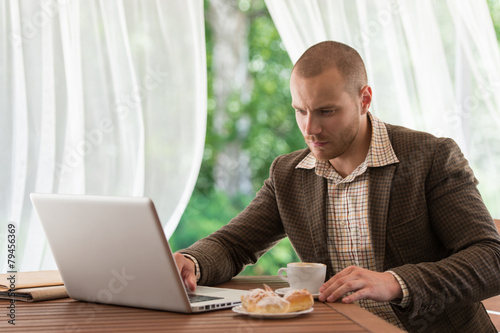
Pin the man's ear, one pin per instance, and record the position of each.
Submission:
(366, 99)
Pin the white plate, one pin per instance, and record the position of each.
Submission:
(282, 291)
(241, 310)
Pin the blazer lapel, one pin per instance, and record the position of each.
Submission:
(378, 205)
(314, 189)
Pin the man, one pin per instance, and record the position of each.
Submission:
(394, 213)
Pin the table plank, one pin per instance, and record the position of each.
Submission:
(250, 282)
(75, 316)
(69, 315)
(364, 318)
(492, 305)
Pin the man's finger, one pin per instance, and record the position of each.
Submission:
(190, 283)
(334, 283)
(360, 294)
(336, 291)
(187, 270)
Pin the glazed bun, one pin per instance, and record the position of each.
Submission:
(267, 301)
(250, 300)
(299, 299)
(272, 304)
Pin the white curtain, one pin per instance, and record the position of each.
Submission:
(433, 66)
(102, 97)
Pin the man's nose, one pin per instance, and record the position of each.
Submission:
(312, 126)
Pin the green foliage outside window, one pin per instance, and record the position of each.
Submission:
(272, 131)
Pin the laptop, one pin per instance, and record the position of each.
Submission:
(113, 250)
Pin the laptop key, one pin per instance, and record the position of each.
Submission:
(193, 298)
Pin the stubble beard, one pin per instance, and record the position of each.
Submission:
(345, 141)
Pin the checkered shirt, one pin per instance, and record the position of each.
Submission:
(349, 241)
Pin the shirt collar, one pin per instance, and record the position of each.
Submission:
(379, 154)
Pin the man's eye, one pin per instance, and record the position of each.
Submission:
(302, 112)
(326, 112)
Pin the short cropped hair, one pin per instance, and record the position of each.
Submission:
(329, 54)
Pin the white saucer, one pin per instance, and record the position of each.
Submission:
(282, 291)
(241, 310)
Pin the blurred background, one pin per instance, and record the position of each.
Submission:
(249, 122)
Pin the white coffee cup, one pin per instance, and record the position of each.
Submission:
(304, 275)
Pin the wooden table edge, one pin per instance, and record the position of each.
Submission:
(364, 318)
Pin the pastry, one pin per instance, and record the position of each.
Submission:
(299, 299)
(250, 300)
(272, 304)
(267, 301)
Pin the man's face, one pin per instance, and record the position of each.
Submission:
(328, 117)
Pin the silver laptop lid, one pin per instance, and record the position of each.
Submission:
(111, 250)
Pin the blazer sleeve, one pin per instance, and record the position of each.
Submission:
(469, 269)
(224, 254)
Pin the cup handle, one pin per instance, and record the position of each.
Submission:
(281, 276)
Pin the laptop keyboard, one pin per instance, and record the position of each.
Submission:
(201, 298)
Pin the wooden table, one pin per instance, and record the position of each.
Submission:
(68, 315)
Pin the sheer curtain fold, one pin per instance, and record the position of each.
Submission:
(99, 97)
(122, 66)
(428, 57)
(433, 65)
(190, 50)
(73, 180)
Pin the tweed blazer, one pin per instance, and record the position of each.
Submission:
(427, 221)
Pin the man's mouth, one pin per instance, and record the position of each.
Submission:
(318, 144)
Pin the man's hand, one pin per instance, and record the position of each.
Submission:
(187, 269)
(364, 283)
